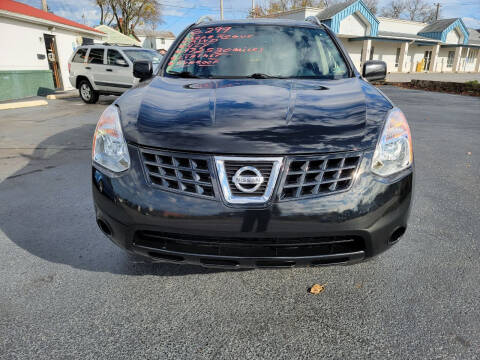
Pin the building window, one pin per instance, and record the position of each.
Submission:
(162, 41)
(472, 55)
(451, 56)
(372, 49)
(397, 57)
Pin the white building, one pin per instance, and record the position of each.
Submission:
(115, 37)
(156, 40)
(35, 47)
(406, 46)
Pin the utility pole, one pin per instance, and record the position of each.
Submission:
(44, 5)
(438, 11)
(221, 9)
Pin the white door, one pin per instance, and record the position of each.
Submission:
(95, 67)
(118, 73)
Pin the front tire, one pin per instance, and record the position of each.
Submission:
(87, 93)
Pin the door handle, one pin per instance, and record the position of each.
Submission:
(87, 67)
(109, 70)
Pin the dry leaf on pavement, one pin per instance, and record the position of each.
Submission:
(316, 289)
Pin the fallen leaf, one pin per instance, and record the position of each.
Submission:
(359, 286)
(316, 289)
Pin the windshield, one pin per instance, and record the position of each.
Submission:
(258, 51)
(140, 54)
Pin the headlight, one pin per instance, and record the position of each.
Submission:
(394, 151)
(109, 147)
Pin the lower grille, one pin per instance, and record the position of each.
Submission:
(247, 247)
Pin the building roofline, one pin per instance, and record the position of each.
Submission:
(23, 11)
(293, 11)
(402, 20)
(45, 22)
(117, 33)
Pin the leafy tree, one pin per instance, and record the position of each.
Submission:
(129, 14)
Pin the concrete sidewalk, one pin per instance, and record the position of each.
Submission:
(448, 77)
(23, 103)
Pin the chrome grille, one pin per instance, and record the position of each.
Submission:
(265, 168)
(316, 176)
(184, 173)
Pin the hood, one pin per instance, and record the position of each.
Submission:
(251, 116)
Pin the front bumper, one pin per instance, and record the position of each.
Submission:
(339, 228)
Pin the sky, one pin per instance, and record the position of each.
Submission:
(178, 14)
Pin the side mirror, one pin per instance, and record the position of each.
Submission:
(121, 62)
(374, 70)
(142, 69)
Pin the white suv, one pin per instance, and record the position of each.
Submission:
(106, 70)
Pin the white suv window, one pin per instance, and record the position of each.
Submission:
(114, 55)
(96, 56)
(80, 56)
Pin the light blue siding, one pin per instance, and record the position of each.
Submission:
(443, 35)
(357, 6)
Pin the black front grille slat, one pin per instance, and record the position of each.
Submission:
(310, 176)
(184, 173)
(304, 176)
(248, 247)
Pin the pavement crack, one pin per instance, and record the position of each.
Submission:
(31, 172)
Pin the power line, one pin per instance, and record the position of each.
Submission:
(203, 7)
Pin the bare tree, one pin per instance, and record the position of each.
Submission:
(130, 13)
(274, 6)
(394, 9)
(372, 5)
(420, 10)
(268, 7)
(106, 15)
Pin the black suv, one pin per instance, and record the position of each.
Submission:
(256, 144)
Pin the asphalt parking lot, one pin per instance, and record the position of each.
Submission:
(67, 292)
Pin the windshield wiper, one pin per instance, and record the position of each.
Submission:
(183, 74)
(263, 76)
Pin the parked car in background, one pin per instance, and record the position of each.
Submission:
(106, 70)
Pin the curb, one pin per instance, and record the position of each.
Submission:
(62, 96)
(22, 104)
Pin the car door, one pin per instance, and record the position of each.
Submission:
(118, 74)
(95, 67)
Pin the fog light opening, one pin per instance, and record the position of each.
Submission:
(104, 227)
(397, 234)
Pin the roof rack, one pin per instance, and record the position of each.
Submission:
(205, 18)
(119, 45)
(314, 20)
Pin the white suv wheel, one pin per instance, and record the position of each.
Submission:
(86, 92)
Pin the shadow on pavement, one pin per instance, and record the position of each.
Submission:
(47, 210)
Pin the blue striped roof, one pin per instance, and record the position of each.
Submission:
(333, 15)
